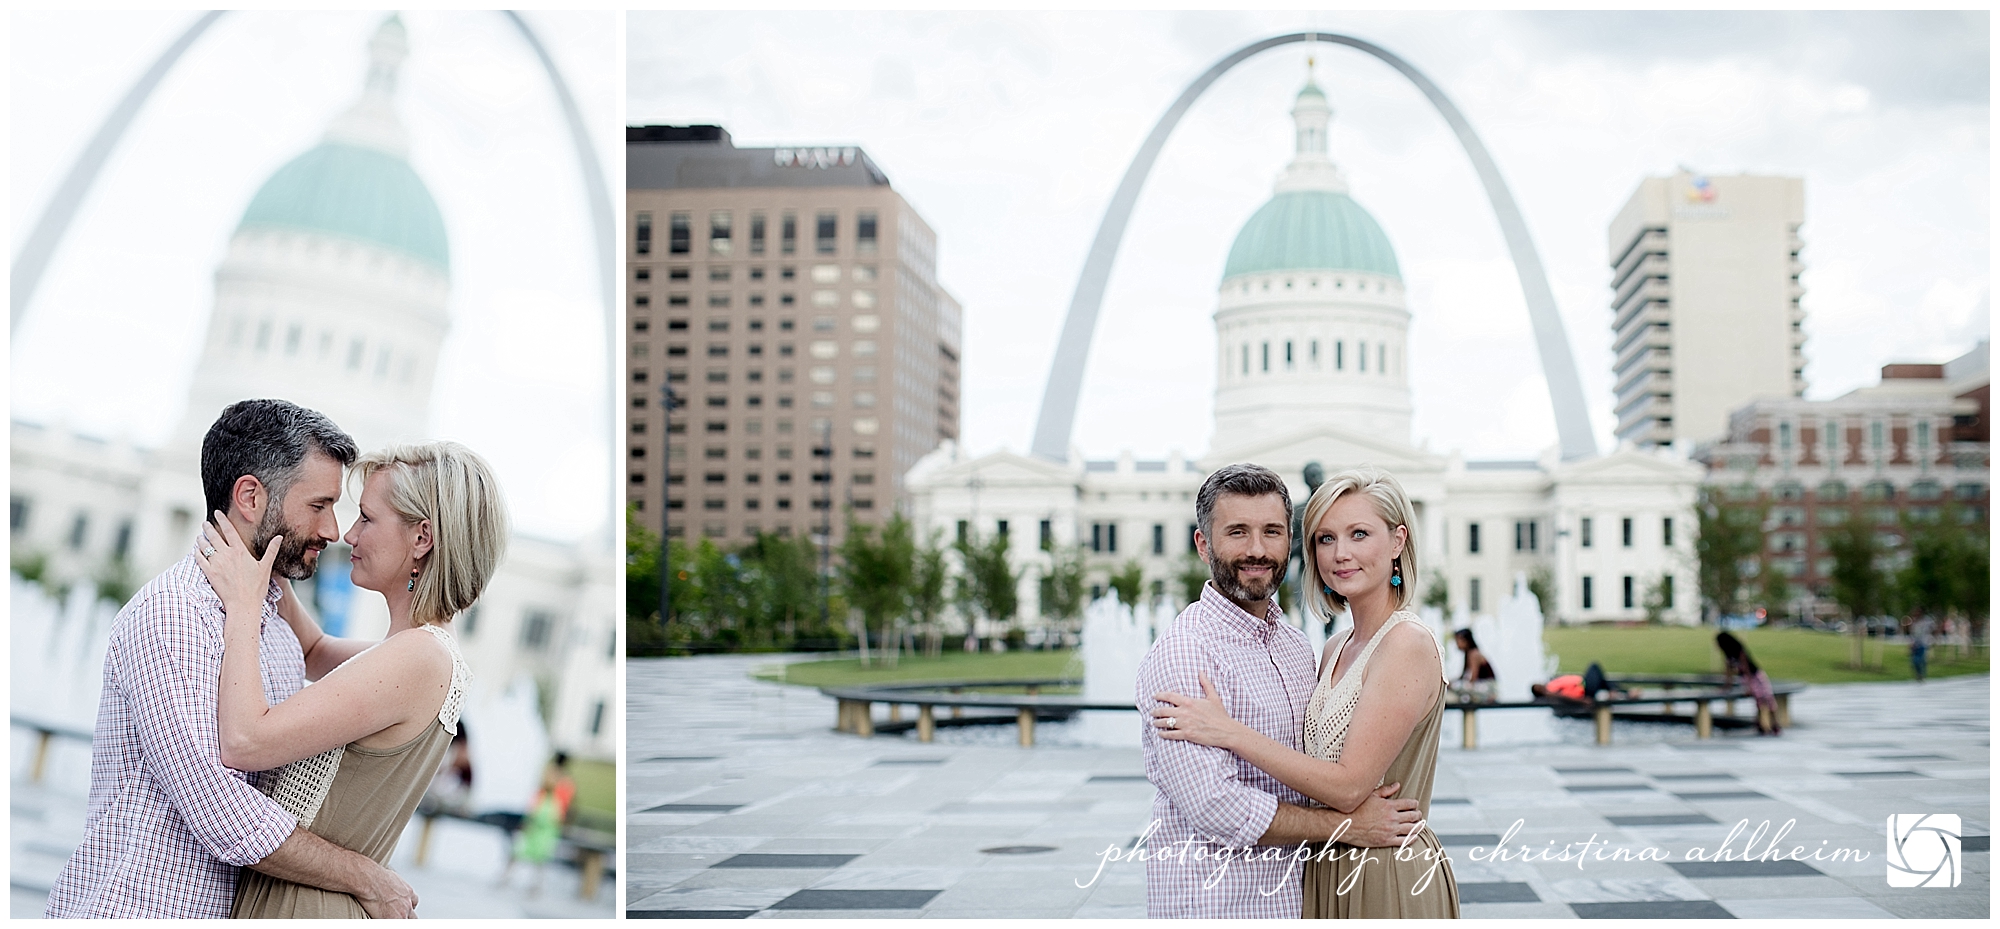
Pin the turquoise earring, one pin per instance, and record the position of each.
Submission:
(1396, 577)
(1328, 590)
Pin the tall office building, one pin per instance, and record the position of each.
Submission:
(1705, 303)
(789, 296)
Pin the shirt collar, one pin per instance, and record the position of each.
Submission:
(272, 593)
(1234, 616)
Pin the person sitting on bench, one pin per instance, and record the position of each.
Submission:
(1581, 688)
(1476, 683)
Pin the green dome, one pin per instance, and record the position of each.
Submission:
(357, 193)
(1311, 230)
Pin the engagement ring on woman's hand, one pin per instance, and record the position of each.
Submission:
(1172, 723)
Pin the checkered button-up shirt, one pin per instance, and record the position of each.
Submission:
(1210, 802)
(168, 825)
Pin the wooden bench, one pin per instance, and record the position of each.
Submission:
(856, 706)
(46, 733)
(1699, 690)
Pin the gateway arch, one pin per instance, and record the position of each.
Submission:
(1065, 384)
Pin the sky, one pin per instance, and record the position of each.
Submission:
(110, 343)
(1009, 131)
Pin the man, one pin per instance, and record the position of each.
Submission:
(168, 825)
(1213, 807)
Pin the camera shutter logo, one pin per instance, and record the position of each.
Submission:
(1923, 850)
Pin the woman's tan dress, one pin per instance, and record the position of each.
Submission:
(357, 798)
(1379, 887)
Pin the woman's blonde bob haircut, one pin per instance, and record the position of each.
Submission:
(453, 487)
(1391, 503)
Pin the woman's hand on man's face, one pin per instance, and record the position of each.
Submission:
(239, 577)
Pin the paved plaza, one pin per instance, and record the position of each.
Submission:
(743, 802)
(459, 880)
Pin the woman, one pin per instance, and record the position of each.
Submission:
(1476, 681)
(359, 747)
(1375, 716)
(1736, 662)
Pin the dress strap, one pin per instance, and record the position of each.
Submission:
(461, 675)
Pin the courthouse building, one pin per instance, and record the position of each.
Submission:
(1312, 336)
(789, 297)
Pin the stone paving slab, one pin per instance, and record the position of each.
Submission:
(936, 822)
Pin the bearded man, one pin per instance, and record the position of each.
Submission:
(1226, 837)
(168, 825)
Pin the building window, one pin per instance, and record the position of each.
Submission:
(1785, 436)
(1048, 539)
(1267, 356)
(122, 543)
(1472, 595)
(642, 237)
(718, 235)
(535, 628)
(1583, 532)
(17, 513)
(597, 718)
(680, 234)
(79, 530)
(1667, 591)
(1472, 538)
(757, 241)
(1159, 538)
(1246, 358)
(1381, 358)
(962, 528)
(1339, 355)
(1629, 600)
(1667, 531)
(1097, 537)
(1361, 357)
(864, 233)
(788, 237)
(1288, 355)
(999, 527)
(1625, 531)
(826, 232)
(1525, 536)
(1875, 435)
(1589, 595)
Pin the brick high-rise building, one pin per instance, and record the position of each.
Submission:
(789, 296)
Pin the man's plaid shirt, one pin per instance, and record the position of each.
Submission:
(168, 824)
(1209, 800)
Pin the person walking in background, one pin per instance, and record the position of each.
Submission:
(541, 832)
(1738, 663)
(1920, 647)
(1476, 682)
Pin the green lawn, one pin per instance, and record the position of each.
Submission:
(952, 665)
(1791, 654)
(596, 791)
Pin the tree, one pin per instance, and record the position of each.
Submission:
(1127, 581)
(642, 570)
(1655, 602)
(1726, 537)
(1061, 589)
(875, 578)
(1542, 583)
(1859, 583)
(1437, 592)
(928, 573)
(1947, 569)
(786, 591)
(987, 583)
(1193, 574)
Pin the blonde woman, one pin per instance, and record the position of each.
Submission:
(1374, 717)
(359, 747)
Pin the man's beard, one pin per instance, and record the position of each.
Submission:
(1235, 588)
(291, 561)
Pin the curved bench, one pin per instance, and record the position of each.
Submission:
(1700, 690)
(857, 703)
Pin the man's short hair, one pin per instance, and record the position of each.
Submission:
(268, 440)
(1245, 479)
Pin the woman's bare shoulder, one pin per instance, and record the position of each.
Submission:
(411, 655)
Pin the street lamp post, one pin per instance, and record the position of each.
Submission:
(669, 401)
